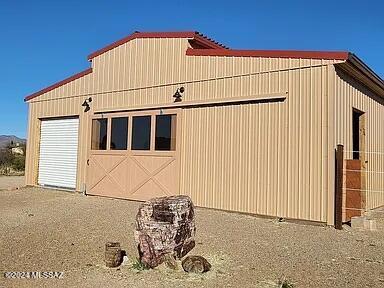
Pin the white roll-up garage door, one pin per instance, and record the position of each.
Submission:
(58, 153)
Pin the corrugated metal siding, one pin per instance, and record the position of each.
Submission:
(351, 94)
(264, 158)
(281, 168)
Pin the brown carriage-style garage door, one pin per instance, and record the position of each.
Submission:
(58, 153)
(134, 155)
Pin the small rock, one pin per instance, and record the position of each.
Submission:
(196, 264)
(125, 260)
(30, 215)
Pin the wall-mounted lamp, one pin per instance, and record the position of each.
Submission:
(178, 95)
(86, 104)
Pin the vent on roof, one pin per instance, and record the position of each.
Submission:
(196, 45)
(200, 41)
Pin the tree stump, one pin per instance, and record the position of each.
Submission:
(165, 227)
(113, 254)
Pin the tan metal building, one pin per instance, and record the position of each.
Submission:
(177, 113)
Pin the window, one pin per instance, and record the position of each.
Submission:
(356, 133)
(141, 133)
(165, 132)
(119, 133)
(99, 134)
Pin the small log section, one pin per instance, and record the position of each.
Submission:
(354, 194)
(165, 227)
(113, 254)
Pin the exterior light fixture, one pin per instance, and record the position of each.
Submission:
(86, 104)
(178, 95)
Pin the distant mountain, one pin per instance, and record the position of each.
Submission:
(5, 140)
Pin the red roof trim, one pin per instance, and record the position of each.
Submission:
(58, 84)
(206, 42)
(270, 53)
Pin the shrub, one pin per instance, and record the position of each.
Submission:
(18, 162)
(138, 265)
(11, 162)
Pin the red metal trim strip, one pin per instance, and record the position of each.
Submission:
(270, 53)
(58, 84)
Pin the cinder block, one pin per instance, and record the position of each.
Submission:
(362, 223)
(370, 225)
(357, 222)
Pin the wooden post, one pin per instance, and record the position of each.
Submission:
(339, 187)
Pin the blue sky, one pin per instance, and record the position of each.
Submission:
(43, 42)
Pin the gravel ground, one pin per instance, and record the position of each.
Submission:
(11, 182)
(47, 230)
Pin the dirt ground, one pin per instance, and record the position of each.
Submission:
(11, 182)
(48, 230)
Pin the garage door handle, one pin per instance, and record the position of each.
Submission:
(88, 162)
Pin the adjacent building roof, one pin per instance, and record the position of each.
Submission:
(204, 46)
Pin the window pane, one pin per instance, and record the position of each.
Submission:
(119, 133)
(165, 132)
(99, 134)
(141, 132)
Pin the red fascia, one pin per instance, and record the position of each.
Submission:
(188, 34)
(58, 84)
(328, 55)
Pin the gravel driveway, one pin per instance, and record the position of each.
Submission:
(47, 230)
(11, 182)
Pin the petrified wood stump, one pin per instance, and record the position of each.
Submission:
(165, 227)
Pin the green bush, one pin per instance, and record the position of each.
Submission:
(18, 162)
(9, 162)
(6, 157)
